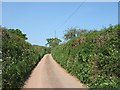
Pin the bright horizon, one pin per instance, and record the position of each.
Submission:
(40, 20)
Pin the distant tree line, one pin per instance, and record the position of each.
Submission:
(69, 34)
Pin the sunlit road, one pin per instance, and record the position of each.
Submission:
(49, 74)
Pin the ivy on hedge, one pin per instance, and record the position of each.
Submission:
(18, 58)
(94, 58)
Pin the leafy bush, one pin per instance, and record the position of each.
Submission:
(94, 58)
(19, 58)
(0, 60)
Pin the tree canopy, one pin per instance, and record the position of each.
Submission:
(18, 32)
(52, 42)
(73, 32)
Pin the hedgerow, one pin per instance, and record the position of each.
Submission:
(18, 58)
(94, 58)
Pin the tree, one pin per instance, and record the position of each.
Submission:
(74, 32)
(52, 42)
(18, 32)
(70, 33)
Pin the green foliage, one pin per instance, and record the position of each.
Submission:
(0, 59)
(73, 32)
(19, 58)
(94, 57)
(52, 42)
(18, 32)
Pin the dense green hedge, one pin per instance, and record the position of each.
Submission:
(94, 58)
(0, 60)
(19, 58)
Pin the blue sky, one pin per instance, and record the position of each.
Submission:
(39, 20)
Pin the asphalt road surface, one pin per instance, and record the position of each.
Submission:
(49, 74)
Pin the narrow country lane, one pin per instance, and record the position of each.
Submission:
(49, 74)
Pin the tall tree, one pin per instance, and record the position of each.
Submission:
(73, 32)
(52, 42)
(70, 33)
